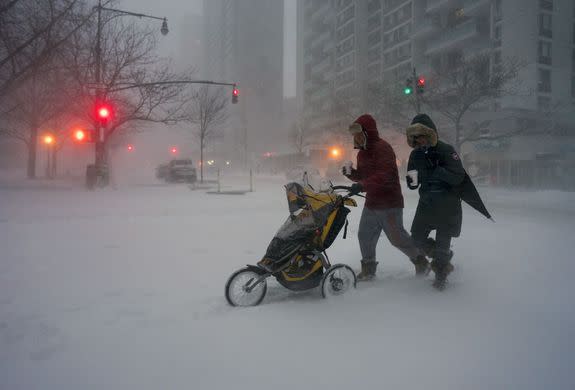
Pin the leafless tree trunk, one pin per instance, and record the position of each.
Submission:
(208, 112)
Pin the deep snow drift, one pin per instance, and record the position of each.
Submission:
(124, 290)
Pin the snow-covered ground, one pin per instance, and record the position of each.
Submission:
(124, 289)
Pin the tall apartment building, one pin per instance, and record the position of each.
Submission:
(243, 43)
(346, 43)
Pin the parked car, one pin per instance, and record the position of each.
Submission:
(177, 171)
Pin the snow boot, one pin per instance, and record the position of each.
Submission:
(428, 248)
(421, 265)
(367, 270)
(441, 269)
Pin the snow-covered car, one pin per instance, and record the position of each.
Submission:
(180, 170)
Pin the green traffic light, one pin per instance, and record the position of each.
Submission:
(407, 91)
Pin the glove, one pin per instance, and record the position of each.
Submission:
(431, 159)
(409, 181)
(425, 158)
(355, 189)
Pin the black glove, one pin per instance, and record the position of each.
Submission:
(355, 189)
(431, 158)
(409, 181)
(425, 158)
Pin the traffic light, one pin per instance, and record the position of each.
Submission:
(235, 95)
(79, 135)
(83, 136)
(420, 84)
(103, 113)
(408, 90)
(174, 150)
(130, 148)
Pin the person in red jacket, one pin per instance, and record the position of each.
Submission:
(377, 175)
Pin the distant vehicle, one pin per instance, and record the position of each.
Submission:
(177, 171)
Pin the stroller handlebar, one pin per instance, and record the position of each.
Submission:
(348, 188)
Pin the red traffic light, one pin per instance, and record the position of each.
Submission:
(421, 82)
(103, 112)
(79, 135)
(130, 148)
(235, 95)
(174, 150)
(236, 92)
(83, 136)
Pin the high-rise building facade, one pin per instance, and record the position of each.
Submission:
(347, 44)
(243, 43)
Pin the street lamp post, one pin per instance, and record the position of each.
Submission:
(100, 95)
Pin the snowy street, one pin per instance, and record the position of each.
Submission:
(124, 289)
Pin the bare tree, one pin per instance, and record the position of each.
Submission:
(388, 104)
(33, 105)
(298, 135)
(136, 82)
(32, 32)
(208, 112)
(473, 82)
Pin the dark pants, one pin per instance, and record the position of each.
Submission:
(439, 251)
(390, 221)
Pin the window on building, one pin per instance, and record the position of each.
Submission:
(544, 52)
(544, 84)
(545, 25)
(373, 6)
(497, 35)
(546, 5)
(455, 17)
(543, 103)
(496, 60)
(498, 13)
(454, 58)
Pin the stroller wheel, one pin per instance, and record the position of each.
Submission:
(337, 280)
(240, 289)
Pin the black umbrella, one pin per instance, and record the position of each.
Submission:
(468, 193)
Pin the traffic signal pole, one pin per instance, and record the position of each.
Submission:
(99, 130)
(414, 81)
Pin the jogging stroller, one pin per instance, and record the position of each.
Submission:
(296, 256)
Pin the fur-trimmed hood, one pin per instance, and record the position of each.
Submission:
(418, 129)
(367, 124)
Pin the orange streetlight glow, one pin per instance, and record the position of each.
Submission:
(48, 139)
(335, 152)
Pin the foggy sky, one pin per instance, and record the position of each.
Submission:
(177, 10)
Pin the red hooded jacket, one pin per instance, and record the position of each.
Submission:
(377, 169)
